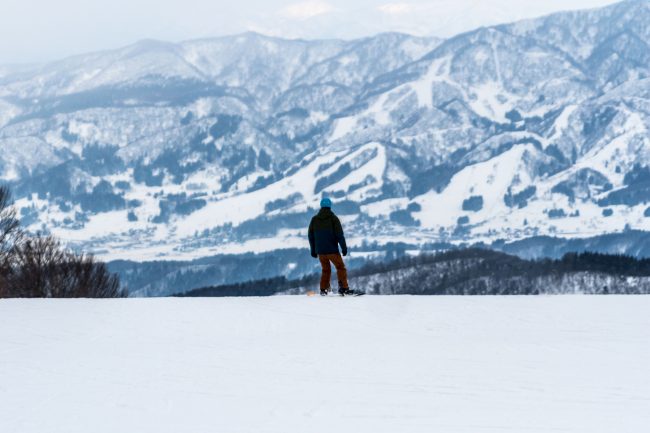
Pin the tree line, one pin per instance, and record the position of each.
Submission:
(472, 271)
(486, 272)
(37, 266)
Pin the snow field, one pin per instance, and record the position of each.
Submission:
(299, 364)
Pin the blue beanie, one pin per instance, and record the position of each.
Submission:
(326, 202)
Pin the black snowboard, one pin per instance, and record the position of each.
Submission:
(354, 294)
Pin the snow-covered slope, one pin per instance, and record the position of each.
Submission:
(574, 364)
(161, 150)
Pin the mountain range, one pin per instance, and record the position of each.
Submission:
(161, 151)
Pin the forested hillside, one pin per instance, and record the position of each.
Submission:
(472, 272)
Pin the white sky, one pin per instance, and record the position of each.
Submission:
(43, 30)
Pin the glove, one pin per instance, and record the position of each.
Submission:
(344, 251)
(313, 254)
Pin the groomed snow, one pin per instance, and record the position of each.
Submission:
(300, 364)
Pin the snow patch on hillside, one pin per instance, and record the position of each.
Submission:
(241, 207)
(7, 112)
(491, 101)
(438, 71)
(489, 180)
(343, 127)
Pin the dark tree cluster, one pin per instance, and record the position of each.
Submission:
(263, 287)
(474, 271)
(39, 267)
(10, 237)
(486, 272)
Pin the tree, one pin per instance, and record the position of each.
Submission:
(39, 267)
(10, 237)
(43, 269)
(35, 273)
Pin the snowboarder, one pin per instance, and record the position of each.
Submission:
(325, 236)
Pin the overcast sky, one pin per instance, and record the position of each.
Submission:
(44, 30)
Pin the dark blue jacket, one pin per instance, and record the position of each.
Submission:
(325, 233)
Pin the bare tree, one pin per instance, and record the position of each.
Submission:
(10, 237)
(43, 269)
(87, 278)
(38, 267)
(36, 272)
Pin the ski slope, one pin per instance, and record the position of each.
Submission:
(299, 364)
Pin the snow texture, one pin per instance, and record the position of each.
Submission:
(299, 364)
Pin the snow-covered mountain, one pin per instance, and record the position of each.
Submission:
(225, 145)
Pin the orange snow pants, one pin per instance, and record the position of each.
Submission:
(341, 272)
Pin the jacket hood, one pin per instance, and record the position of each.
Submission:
(324, 213)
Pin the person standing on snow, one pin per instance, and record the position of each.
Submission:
(325, 235)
